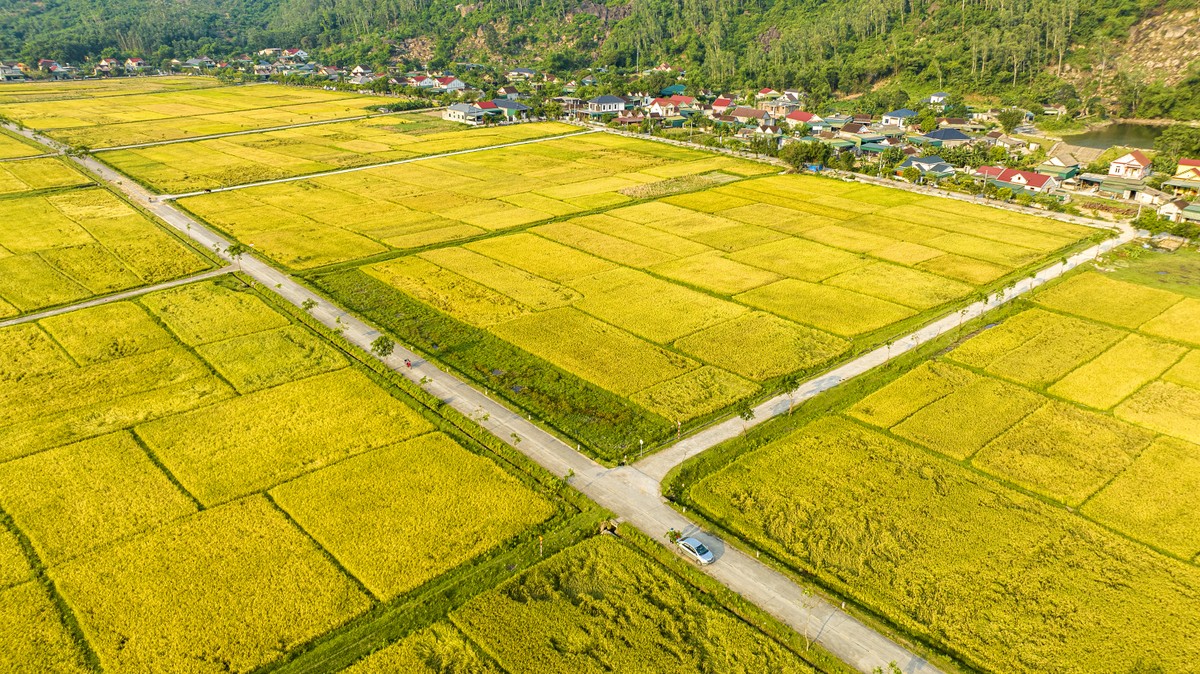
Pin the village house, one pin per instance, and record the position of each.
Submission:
(606, 104)
(1173, 210)
(511, 110)
(721, 104)
(134, 64)
(744, 115)
(107, 66)
(899, 117)
(451, 84)
(11, 72)
(663, 107)
(798, 118)
(948, 137)
(1059, 169)
(294, 55)
(1017, 181)
(1131, 166)
(1186, 180)
(464, 113)
(929, 167)
(509, 92)
(520, 74)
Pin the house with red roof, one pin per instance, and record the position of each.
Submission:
(767, 92)
(800, 117)
(721, 104)
(451, 83)
(134, 64)
(1018, 181)
(663, 107)
(1186, 179)
(1131, 166)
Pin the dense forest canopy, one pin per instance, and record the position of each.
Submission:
(827, 47)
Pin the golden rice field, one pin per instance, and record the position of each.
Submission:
(331, 219)
(72, 245)
(12, 146)
(209, 485)
(30, 175)
(61, 90)
(691, 303)
(1073, 427)
(221, 162)
(600, 606)
(109, 121)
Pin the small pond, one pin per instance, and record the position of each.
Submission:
(1128, 135)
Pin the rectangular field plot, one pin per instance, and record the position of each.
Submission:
(99, 88)
(636, 617)
(400, 516)
(12, 146)
(424, 652)
(1157, 499)
(681, 306)
(946, 552)
(312, 223)
(236, 160)
(240, 580)
(70, 246)
(199, 474)
(29, 175)
(169, 115)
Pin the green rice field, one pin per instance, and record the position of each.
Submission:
(1017, 501)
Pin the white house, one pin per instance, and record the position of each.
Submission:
(464, 113)
(899, 117)
(601, 105)
(1133, 166)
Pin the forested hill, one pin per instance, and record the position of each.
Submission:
(823, 46)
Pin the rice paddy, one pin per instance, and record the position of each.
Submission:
(209, 485)
(68, 246)
(237, 160)
(685, 306)
(1021, 471)
(130, 118)
(338, 218)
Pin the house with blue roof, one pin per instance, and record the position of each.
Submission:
(948, 137)
(899, 117)
(929, 167)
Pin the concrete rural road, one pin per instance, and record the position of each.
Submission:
(632, 492)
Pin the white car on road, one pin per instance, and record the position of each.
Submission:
(695, 549)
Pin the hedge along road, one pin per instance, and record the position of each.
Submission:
(352, 169)
(631, 492)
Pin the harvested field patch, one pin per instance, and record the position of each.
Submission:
(399, 516)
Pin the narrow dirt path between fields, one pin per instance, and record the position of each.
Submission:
(633, 492)
(116, 297)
